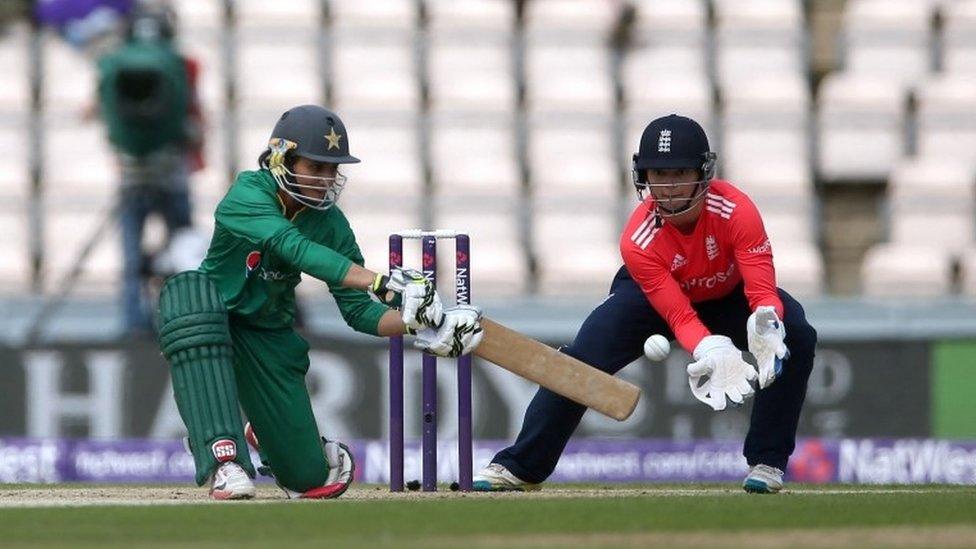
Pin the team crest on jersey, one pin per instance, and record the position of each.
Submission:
(252, 262)
(711, 247)
(224, 450)
(679, 262)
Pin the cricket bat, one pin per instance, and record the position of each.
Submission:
(558, 372)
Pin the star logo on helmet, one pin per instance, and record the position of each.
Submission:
(333, 139)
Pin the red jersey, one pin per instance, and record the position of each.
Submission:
(727, 245)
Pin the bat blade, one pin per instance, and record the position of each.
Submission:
(558, 372)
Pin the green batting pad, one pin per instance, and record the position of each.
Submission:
(195, 339)
(953, 387)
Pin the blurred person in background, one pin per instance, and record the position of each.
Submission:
(148, 101)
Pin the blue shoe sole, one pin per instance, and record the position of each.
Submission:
(485, 486)
(756, 487)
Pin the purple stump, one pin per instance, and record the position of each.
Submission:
(429, 441)
(396, 385)
(462, 278)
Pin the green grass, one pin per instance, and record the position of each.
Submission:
(420, 522)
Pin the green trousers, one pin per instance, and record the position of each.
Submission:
(270, 368)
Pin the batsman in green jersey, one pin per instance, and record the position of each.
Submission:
(227, 328)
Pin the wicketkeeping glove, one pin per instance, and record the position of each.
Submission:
(421, 306)
(459, 334)
(719, 372)
(766, 334)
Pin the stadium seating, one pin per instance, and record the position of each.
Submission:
(946, 117)
(15, 269)
(15, 92)
(554, 67)
(572, 158)
(204, 46)
(277, 69)
(388, 14)
(390, 149)
(294, 14)
(968, 271)
(959, 36)
(577, 248)
(861, 127)
(68, 79)
(932, 213)
(471, 75)
(371, 75)
(195, 14)
(888, 40)
(78, 162)
(498, 260)
(756, 37)
(15, 175)
(475, 157)
(579, 16)
(66, 231)
(906, 271)
(467, 101)
(470, 15)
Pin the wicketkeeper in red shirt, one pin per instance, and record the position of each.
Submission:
(698, 268)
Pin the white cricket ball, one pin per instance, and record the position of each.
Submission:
(657, 348)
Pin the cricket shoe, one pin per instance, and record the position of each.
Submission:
(342, 469)
(496, 478)
(230, 481)
(763, 479)
(250, 437)
(252, 441)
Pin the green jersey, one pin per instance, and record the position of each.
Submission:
(257, 255)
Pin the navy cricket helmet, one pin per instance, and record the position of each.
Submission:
(673, 142)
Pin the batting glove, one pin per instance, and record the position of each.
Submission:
(421, 306)
(385, 291)
(766, 342)
(459, 334)
(719, 372)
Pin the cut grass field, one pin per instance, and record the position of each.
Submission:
(560, 516)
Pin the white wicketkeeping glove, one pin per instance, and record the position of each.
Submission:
(459, 334)
(766, 335)
(421, 306)
(725, 374)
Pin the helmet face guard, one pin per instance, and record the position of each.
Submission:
(669, 199)
(288, 180)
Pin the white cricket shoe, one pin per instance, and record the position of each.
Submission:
(496, 478)
(230, 481)
(342, 469)
(763, 479)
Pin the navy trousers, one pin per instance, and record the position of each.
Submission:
(613, 336)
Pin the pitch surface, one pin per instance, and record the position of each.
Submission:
(565, 516)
